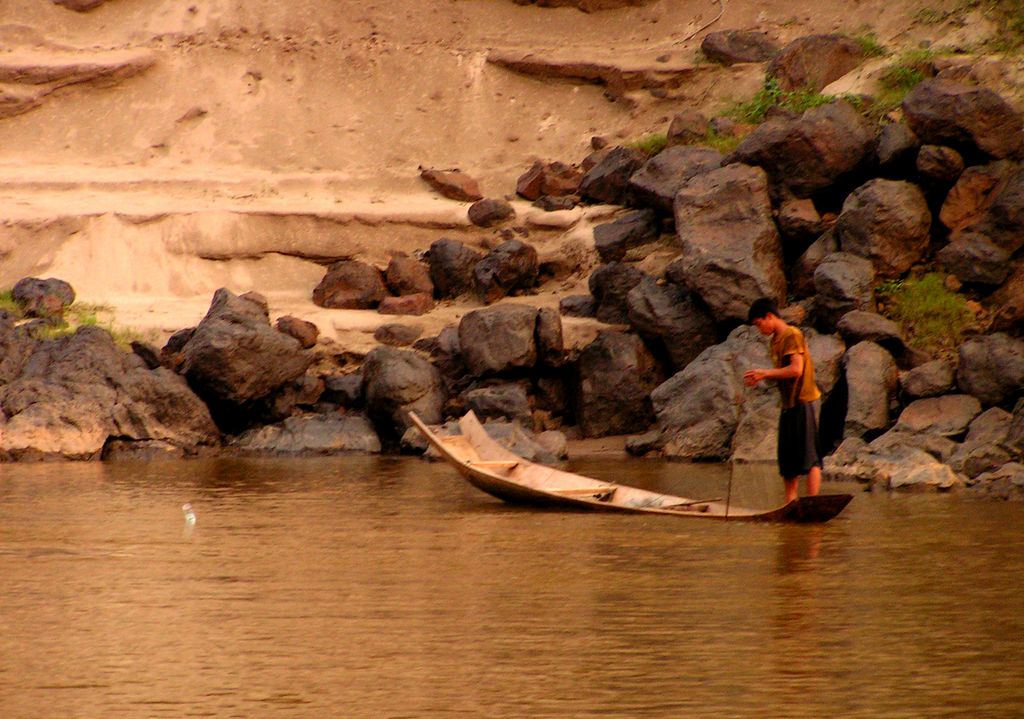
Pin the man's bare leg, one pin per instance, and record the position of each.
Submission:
(814, 481)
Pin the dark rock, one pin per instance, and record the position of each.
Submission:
(948, 415)
(550, 345)
(928, 380)
(974, 192)
(43, 298)
(859, 326)
(552, 180)
(667, 315)
(396, 334)
(1003, 221)
(992, 368)
(301, 393)
(397, 382)
(1008, 302)
(940, 164)
(897, 146)
(453, 184)
(419, 304)
(699, 408)
(608, 180)
(731, 252)
(616, 376)
(498, 339)
(305, 332)
(731, 46)
(66, 398)
(1006, 483)
(687, 127)
(800, 219)
(451, 267)
(844, 283)
(810, 153)
(350, 284)
(502, 401)
(944, 112)
(408, 276)
(802, 274)
(814, 61)
(149, 354)
(311, 435)
(344, 390)
(658, 181)
(142, 450)
(827, 352)
(508, 268)
(259, 300)
(489, 212)
(635, 229)
(887, 222)
(578, 306)
(973, 258)
(871, 382)
(610, 284)
(555, 204)
(235, 357)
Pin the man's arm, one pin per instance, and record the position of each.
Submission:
(794, 369)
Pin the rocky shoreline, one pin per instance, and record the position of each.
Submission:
(816, 209)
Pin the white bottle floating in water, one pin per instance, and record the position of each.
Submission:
(190, 515)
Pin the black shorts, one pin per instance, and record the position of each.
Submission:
(798, 440)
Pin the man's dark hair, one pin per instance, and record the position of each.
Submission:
(760, 308)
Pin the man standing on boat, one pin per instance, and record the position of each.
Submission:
(793, 371)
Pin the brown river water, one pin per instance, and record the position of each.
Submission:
(386, 587)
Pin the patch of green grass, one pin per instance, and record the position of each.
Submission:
(651, 144)
(869, 45)
(932, 316)
(7, 303)
(771, 95)
(723, 143)
(80, 314)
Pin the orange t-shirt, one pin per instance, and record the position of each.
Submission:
(800, 389)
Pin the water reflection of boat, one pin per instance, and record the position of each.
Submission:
(493, 469)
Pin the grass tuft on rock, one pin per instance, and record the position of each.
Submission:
(650, 144)
(932, 316)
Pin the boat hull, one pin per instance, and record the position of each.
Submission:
(501, 474)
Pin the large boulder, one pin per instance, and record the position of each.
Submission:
(728, 47)
(974, 192)
(666, 316)
(408, 276)
(896, 466)
(1008, 302)
(657, 182)
(453, 184)
(608, 180)
(613, 240)
(928, 380)
(871, 383)
(973, 258)
(992, 368)
(1006, 483)
(699, 407)
(844, 283)
(305, 435)
(43, 298)
(234, 357)
(498, 339)
(451, 267)
(489, 212)
(509, 268)
(966, 117)
(948, 415)
(731, 253)
(1003, 220)
(610, 285)
(814, 61)
(987, 446)
(507, 400)
(616, 376)
(555, 179)
(810, 153)
(888, 222)
(802, 274)
(397, 382)
(350, 284)
(67, 398)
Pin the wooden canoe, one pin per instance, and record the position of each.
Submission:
(490, 467)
